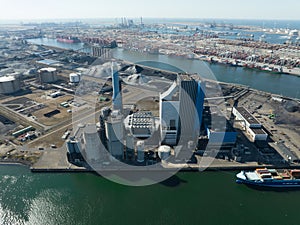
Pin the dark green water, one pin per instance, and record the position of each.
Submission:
(188, 198)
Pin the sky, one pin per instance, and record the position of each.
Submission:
(223, 9)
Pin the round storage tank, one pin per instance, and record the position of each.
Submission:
(140, 145)
(9, 84)
(74, 77)
(164, 152)
(48, 75)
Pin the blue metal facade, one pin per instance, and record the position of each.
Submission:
(224, 137)
(200, 100)
(116, 98)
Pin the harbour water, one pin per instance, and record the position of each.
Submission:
(187, 198)
(281, 84)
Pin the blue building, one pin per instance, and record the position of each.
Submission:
(181, 108)
(219, 131)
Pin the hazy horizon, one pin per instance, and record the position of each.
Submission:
(16, 10)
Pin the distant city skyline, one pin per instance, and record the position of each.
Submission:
(72, 9)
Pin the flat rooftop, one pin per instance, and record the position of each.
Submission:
(247, 115)
(189, 77)
(214, 120)
(258, 131)
(48, 61)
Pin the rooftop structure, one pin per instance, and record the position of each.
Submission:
(244, 114)
(252, 126)
(140, 124)
(48, 62)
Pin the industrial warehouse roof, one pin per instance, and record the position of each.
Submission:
(215, 120)
(258, 131)
(247, 116)
(47, 61)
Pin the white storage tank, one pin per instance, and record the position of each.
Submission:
(47, 75)
(164, 152)
(74, 77)
(9, 84)
(140, 148)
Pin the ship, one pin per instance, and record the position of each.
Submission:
(270, 178)
(68, 39)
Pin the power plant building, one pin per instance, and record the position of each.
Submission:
(115, 134)
(169, 114)
(191, 107)
(129, 146)
(140, 124)
(91, 143)
(181, 108)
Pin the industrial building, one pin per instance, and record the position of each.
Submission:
(253, 128)
(140, 124)
(74, 151)
(9, 84)
(47, 75)
(111, 121)
(181, 108)
(91, 143)
(219, 131)
(74, 78)
(190, 108)
(169, 114)
(114, 131)
(129, 147)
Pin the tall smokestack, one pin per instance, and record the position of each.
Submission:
(117, 95)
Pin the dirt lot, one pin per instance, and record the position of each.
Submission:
(284, 127)
(51, 138)
(53, 104)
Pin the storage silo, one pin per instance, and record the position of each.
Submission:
(129, 146)
(47, 75)
(115, 134)
(74, 77)
(92, 143)
(9, 84)
(140, 148)
(164, 152)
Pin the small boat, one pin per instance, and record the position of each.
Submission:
(270, 178)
